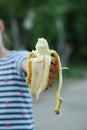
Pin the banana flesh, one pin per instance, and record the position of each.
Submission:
(39, 62)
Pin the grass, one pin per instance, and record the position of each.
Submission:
(75, 71)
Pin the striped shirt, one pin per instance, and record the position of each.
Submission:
(16, 111)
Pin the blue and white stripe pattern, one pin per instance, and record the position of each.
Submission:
(16, 111)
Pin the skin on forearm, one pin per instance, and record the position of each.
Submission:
(24, 66)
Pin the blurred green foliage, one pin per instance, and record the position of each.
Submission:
(72, 12)
(75, 71)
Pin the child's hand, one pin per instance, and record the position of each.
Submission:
(53, 71)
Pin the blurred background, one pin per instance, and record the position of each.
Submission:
(64, 24)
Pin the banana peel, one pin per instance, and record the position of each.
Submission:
(39, 62)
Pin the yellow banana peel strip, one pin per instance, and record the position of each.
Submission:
(39, 62)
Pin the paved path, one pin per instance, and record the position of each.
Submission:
(74, 108)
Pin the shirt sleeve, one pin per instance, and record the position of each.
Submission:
(20, 57)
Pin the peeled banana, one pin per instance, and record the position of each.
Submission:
(39, 62)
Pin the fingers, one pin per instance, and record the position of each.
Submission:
(51, 81)
(53, 71)
(54, 64)
(52, 78)
(54, 60)
(52, 75)
(49, 84)
(53, 68)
